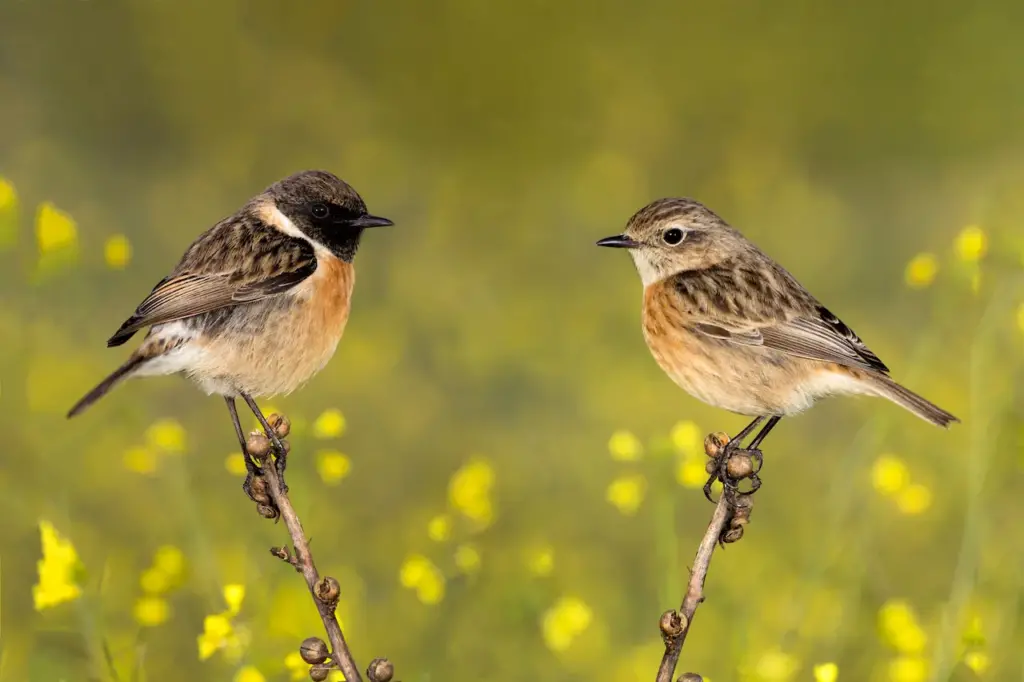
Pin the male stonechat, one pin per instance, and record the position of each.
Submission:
(734, 329)
(259, 301)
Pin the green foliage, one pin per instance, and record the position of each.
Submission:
(502, 481)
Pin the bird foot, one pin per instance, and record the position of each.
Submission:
(732, 465)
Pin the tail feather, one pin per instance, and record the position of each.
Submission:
(904, 397)
(118, 375)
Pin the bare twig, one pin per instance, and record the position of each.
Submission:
(324, 591)
(273, 502)
(732, 512)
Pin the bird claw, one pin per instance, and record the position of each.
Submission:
(252, 470)
(722, 474)
(755, 483)
(247, 485)
(758, 458)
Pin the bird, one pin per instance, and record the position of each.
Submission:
(257, 304)
(736, 330)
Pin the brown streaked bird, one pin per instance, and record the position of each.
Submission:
(734, 329)
(259, 301)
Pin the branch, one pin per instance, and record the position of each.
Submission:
(326, 590)
(732, 513)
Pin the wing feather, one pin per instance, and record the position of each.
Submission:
(767, 307)
(235, 262)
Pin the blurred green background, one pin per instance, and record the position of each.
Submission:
(503, 481)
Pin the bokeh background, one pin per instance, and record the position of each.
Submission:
(502, 480)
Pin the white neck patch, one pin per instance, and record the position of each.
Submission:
(272, 215)
(649, 272)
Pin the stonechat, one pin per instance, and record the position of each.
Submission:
(259, 301)
(734, 329)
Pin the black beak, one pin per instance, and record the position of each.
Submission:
(619, 241)
(369, 221)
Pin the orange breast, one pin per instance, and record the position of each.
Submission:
(718, 373)
(295, 342)
(332, 291)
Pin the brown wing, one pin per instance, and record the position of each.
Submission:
(765, 306)
(237, 261)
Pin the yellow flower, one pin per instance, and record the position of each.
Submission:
(430, 591)
(297, 668)
(55, 230)
(413, 569)
(170, 560)
(330, 424)
(467, 558)
(921, 270)
(625, 447)
(140, 459)
(469, 490)
(776, 665)
(691, 472)
(218, 633)
(117, 251)
(58, 570)
(154, 581)
(914, 499)
(687, 438)
(8, 214)
(908, 669)
(167, 435)
(8, 197)
(541, 561)
(234, 595)
(151, 611)
(440, 528)
(332, 466)
(249, 674)
(971, 244)
(235, 464)
(900, 629)
(627, 492)
(419, 573)
(563, 622)
(1020, 317)
(826, 672)
(889, 475)
(978, 661)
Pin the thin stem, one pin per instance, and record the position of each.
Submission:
(676, 625)
(339, 648)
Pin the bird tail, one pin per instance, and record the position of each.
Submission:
(118, 375)
(904, 397)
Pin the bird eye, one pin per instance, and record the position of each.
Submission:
(673, 236)
(320, 211)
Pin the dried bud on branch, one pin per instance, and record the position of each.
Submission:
(268, 512)
(380, 670)
(281, 424)
(313, 650)
(258, 445)
(739, 466)
(672, 624)
(714, 443)
(328, 590)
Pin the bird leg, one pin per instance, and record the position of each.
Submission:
(754, 448)
(280, 452)
(252, 470)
